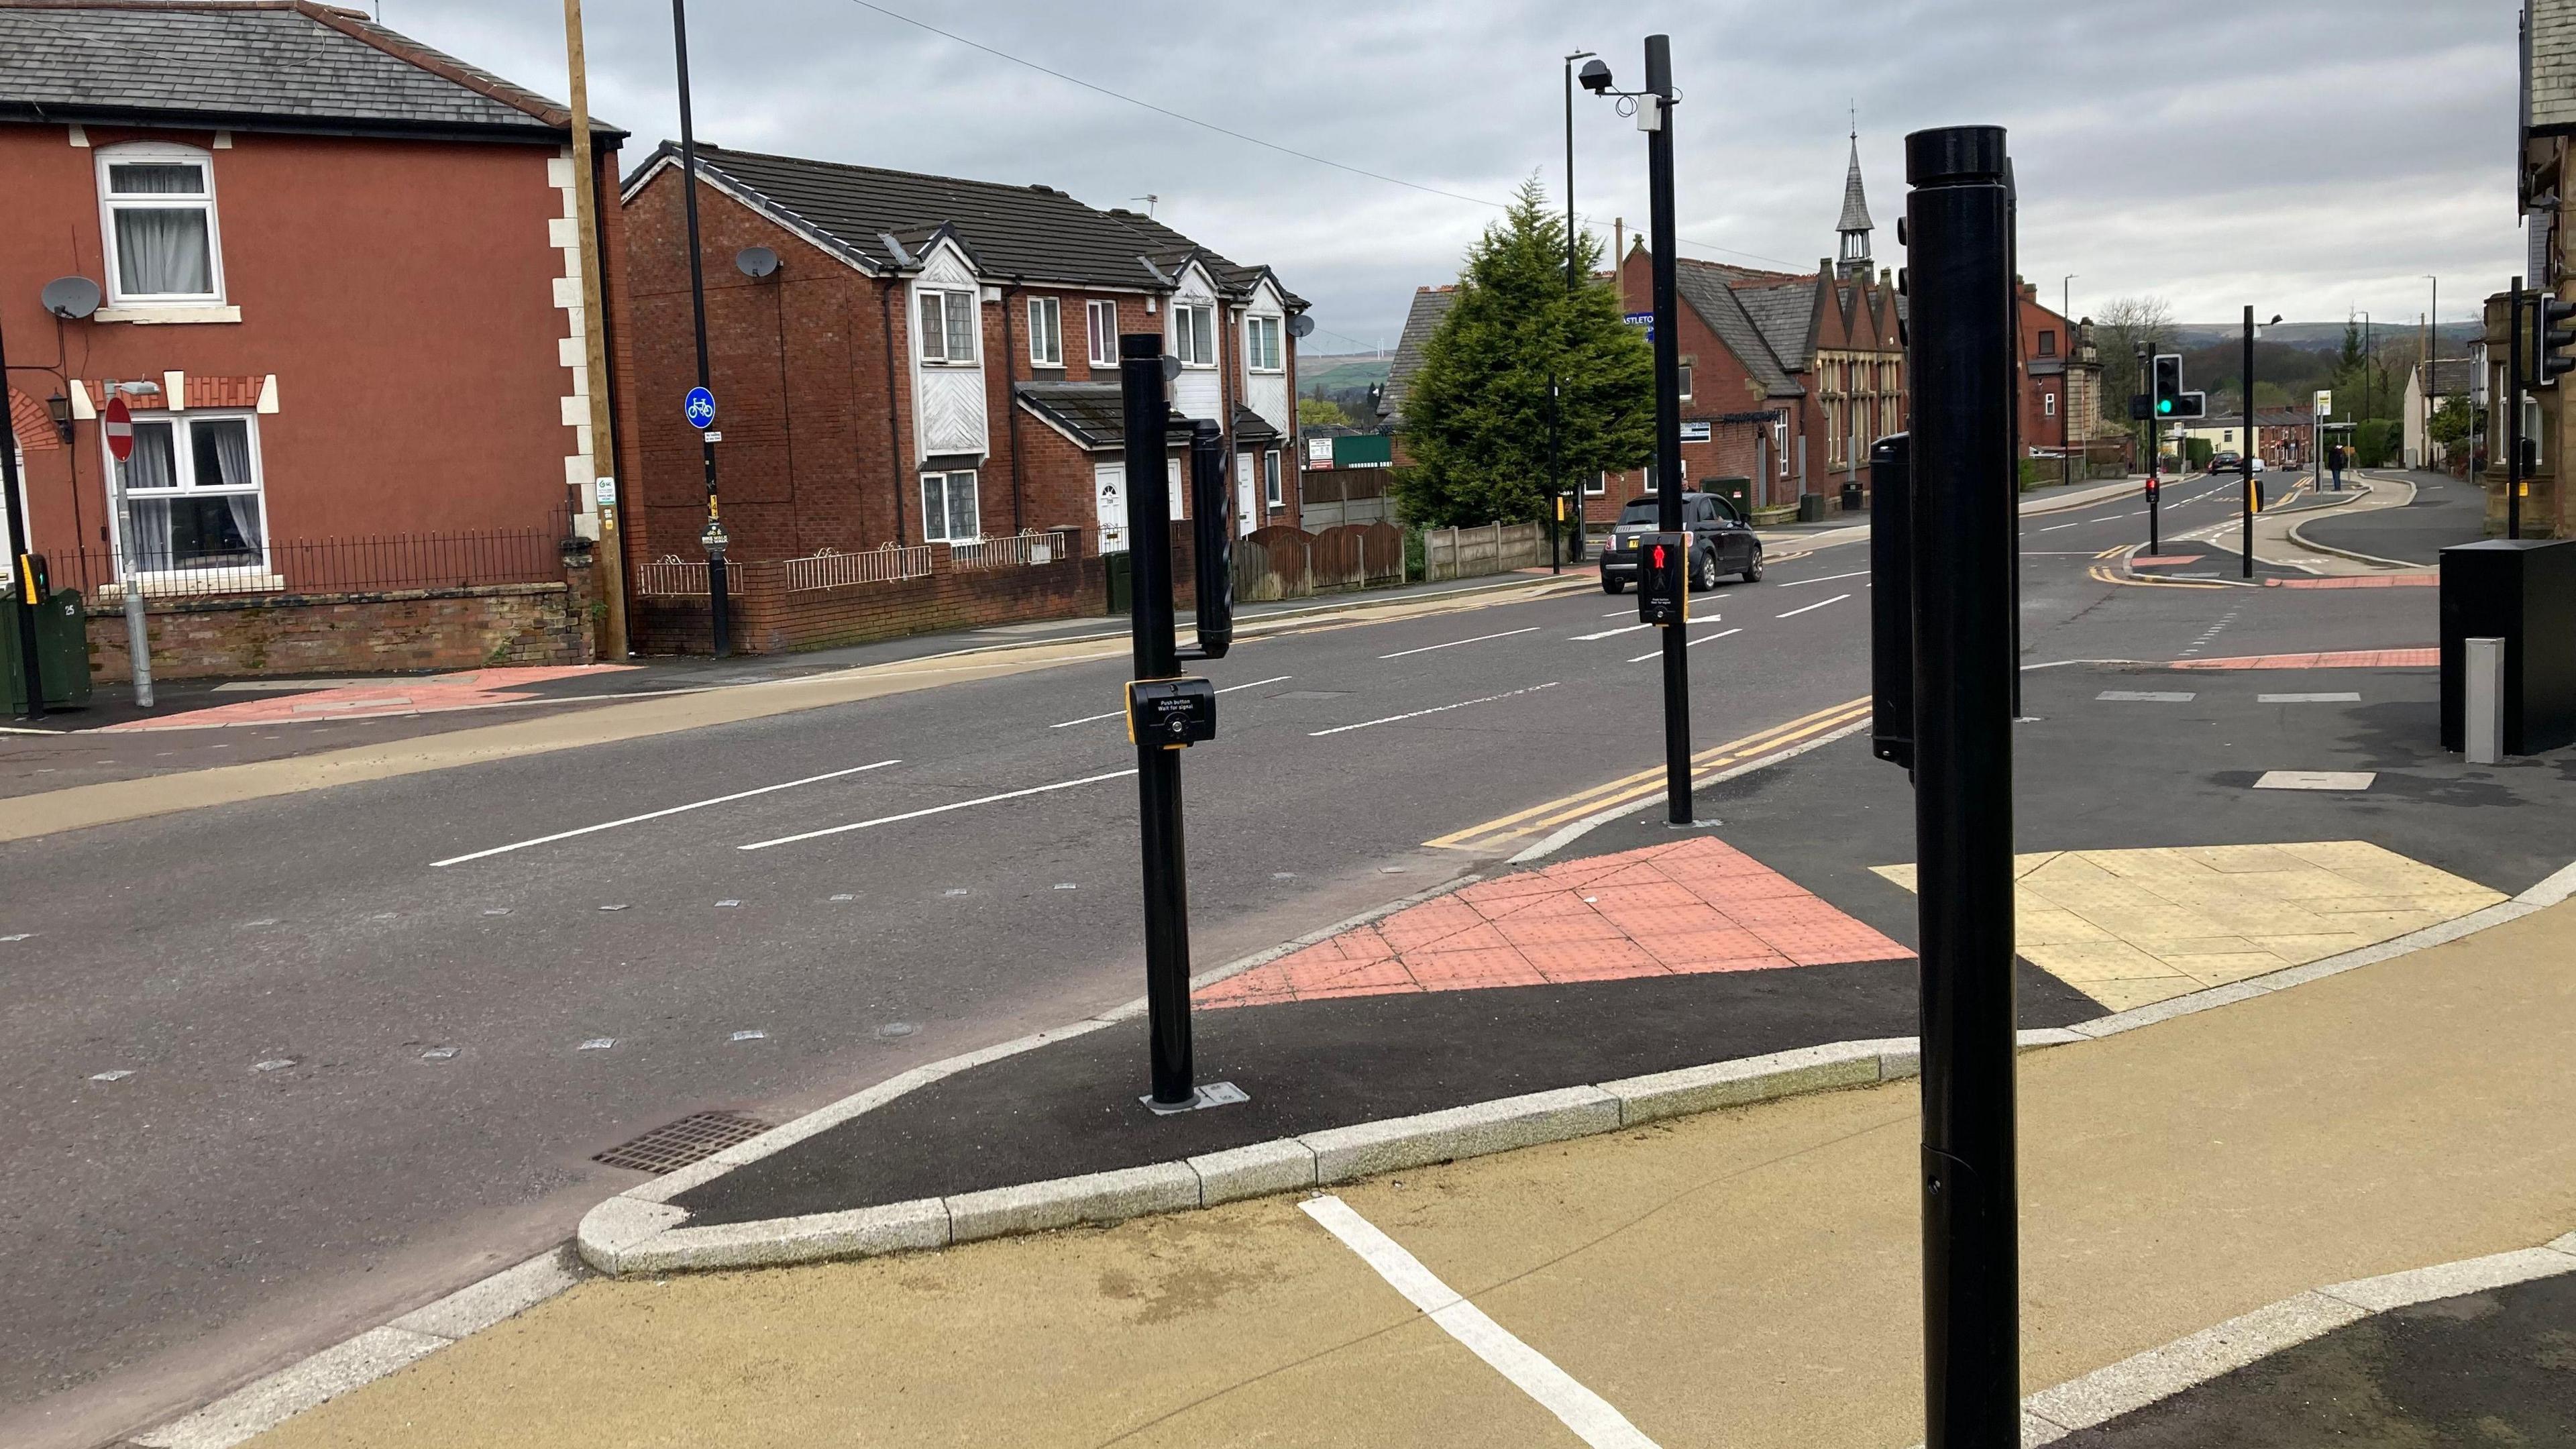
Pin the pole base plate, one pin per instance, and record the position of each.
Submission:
(1213, 1094)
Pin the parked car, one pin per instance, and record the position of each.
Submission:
(2226, 462)
(1723, 543)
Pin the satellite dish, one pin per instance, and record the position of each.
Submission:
(1300, 325)
(756, 261)
(70, 298)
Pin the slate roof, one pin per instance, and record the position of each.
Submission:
(1031, 232)
(1786, 315)
(1855, 204)
(1092, 412)
(251, 65)
(1430, 305)
(1710, 290)
(2453, 376)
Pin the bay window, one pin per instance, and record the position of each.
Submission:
(159, 223)
(949, 323)
(193, 498)
(948, 508)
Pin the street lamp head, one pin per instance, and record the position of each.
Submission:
(2275, 322)
(1594, 77)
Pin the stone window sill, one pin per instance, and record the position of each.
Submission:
(208, 313)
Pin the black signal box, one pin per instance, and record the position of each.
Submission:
(1663, 578)
(1171, 712)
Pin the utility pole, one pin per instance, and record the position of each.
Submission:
(2432, 369)
(1655, 112)
(594, 326)
(2513, 413)
(713, 537)
(2065, 394)
(1959, 217)
(22, 560)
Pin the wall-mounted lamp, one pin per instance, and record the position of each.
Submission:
(59, 408)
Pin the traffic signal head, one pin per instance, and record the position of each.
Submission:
(2167, 388)
(2556, 336)
(2187, 405)
(1663, 578)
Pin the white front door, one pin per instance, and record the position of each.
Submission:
(1247, 492)
(1109, 505)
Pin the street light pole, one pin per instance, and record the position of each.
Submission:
(2066, 395)
(714, 536)
(1668, 412)
(1573, 285)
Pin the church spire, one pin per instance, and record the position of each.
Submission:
(1855, 228)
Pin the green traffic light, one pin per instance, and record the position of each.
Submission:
(2164, 405)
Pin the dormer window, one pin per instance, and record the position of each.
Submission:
(159, 222)
(949, 321)
(1194, 334)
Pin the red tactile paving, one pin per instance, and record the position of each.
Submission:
(2335, 659)
(2360, 581)
(471, 689)
(1693, 906)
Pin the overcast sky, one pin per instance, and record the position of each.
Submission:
(2308, 158)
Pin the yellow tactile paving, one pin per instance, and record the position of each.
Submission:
(2133, 927)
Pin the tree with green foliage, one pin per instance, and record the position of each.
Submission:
(1476, 414)
(1317, 412)
(2455, 419)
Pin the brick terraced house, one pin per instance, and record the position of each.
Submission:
(334, 275)
(928, 375)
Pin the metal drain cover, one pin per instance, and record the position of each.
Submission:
(693, 1138)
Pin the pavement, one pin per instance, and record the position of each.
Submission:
(753, 912)
(1746, 1277)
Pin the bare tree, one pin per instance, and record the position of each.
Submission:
(2118, 331)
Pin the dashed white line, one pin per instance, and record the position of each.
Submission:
(1229, 689)
(1419, 713)
(1588, 1414)
(1694, 644)
(1454, 643)
(1836, 599)
(1607, 633)
(934, 810)
(1827, 579)
(658, 814)
(2054, 527)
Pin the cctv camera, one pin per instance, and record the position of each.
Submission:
(1594, 76)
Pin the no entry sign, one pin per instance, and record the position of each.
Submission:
(120, 429)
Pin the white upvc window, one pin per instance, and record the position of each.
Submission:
(1046, 332)
(948, 508)
(1686, 379)
(1102, 317)
(1261, 347)
(157, 215)
(1194, 334)
(1270, 479)
(2048, 404)
(192, 489)
(949, 322)
(1596, 485)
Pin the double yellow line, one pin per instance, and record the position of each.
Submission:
(1649, 784)
(2103, 574)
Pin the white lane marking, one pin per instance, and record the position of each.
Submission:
(1229, 689)
(2145, 696)
(1613, 614)
(2054, 527)
(658, 814)
(1827, 579)
(1694, 644)
(1606, 633)
(1589, 1415)
(2307, 699)
(1419, 713)
(1454, 643)
(1836, 599)
(935, 810)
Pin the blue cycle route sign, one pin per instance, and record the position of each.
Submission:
(700, 405)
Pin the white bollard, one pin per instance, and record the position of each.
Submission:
(2482, 722)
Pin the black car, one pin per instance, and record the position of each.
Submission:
(1724, 542)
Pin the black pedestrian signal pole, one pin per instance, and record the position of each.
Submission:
(1655, 114)
(1158, 769)
(713, 536)
(1960, 357)
(2513, 413)
(2245, 460)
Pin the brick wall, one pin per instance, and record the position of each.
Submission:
(413, 629)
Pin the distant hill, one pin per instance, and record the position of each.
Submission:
(2314, 336)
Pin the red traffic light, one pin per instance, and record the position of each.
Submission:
(1659, 555)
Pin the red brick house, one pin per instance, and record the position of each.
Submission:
(1786, 377)
(933, 361)
(339, 290)
(2061, 381)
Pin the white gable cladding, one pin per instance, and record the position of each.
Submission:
(1266, 393)
(1196, 392)
(947, 399)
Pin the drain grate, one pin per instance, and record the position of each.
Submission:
(693, 1138)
